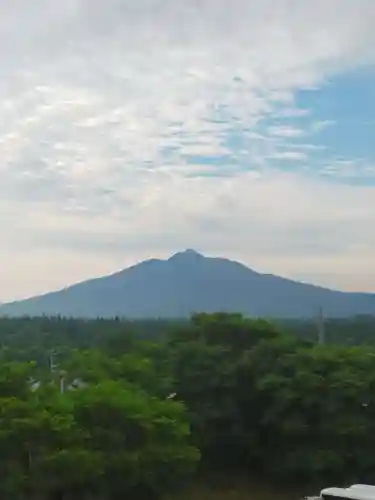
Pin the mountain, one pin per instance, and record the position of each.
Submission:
(189, 282)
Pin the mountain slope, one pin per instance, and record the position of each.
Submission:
(189, 282)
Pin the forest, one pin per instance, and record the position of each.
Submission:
(110, 409)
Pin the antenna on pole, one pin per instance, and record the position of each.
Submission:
(321, 327)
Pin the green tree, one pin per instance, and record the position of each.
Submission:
(143, 441)
(312, 409)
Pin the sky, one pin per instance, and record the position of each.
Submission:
(136, 129)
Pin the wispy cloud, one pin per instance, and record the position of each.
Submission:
(319, 126)
(285, 131)
(289, 155)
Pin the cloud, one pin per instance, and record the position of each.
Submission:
(129, 126)
(294, 112)
(285, 131)
(289, 155)
(319, 126)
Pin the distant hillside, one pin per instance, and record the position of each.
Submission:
(189, 282)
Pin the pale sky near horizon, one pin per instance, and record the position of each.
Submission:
(135, 129)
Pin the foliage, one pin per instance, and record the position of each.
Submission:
(144, 401)
(109, 438)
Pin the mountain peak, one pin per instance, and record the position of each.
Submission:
(189, 253)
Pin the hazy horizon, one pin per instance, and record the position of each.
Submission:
(161, 258)
(133, 130)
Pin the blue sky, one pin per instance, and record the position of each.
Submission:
(349, 101)
(336, 121)
(132, 130)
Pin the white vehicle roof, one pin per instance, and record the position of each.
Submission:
(355, 492)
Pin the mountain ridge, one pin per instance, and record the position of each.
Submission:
(189, 282)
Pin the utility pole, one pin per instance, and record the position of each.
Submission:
(52, 364)
(62, 381)
(321, 327)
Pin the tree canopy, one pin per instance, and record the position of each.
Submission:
(134, 410)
